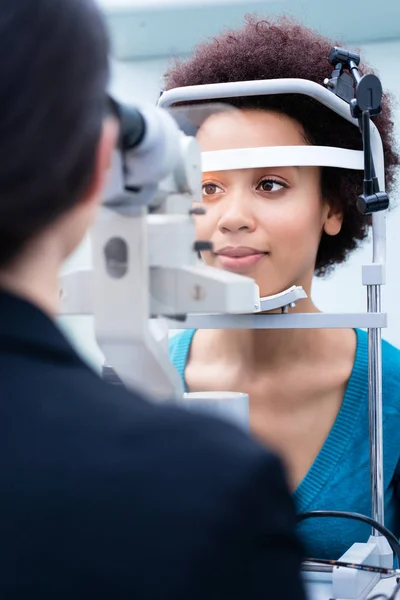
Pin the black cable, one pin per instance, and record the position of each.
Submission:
(391, 538)
(351, 565)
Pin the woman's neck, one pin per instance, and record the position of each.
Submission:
(269, 348)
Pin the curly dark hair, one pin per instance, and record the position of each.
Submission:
(282, 48)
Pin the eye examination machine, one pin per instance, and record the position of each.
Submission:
(146, 278)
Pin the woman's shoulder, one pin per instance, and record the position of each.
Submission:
(390, 368)
(390, 353)
(391, 373)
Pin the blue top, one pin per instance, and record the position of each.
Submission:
(339, 477)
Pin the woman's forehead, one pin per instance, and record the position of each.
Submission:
(249, 129)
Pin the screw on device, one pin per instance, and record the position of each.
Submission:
(199, 210)
(202, 246)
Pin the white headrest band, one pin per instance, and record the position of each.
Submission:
(282, 156)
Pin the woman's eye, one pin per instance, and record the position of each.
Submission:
(271, 185)
(209, 189)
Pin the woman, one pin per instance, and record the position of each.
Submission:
(308, 388)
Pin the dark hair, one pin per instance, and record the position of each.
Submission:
(53, 79)
(285, 49)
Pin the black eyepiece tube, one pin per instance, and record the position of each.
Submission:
(133, 127)
(132, 124)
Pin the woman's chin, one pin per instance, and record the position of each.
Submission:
(266, 291)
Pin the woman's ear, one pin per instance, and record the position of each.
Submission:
(333, 220)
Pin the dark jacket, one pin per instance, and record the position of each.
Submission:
(104, 495)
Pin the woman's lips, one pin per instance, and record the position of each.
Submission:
(238, 263)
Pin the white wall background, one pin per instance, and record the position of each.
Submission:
(342, 291)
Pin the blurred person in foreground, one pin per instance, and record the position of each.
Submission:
(104, 495)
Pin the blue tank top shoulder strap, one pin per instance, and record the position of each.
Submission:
(179, 346)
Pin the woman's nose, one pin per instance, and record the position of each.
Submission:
(236, 214)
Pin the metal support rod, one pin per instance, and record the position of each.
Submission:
(353, 68)
(368, 162)
(375, 409)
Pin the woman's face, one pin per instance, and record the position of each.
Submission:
(264, 223)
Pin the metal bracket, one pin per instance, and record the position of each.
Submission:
(283, 300)
(374, 274)
(342, 583)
